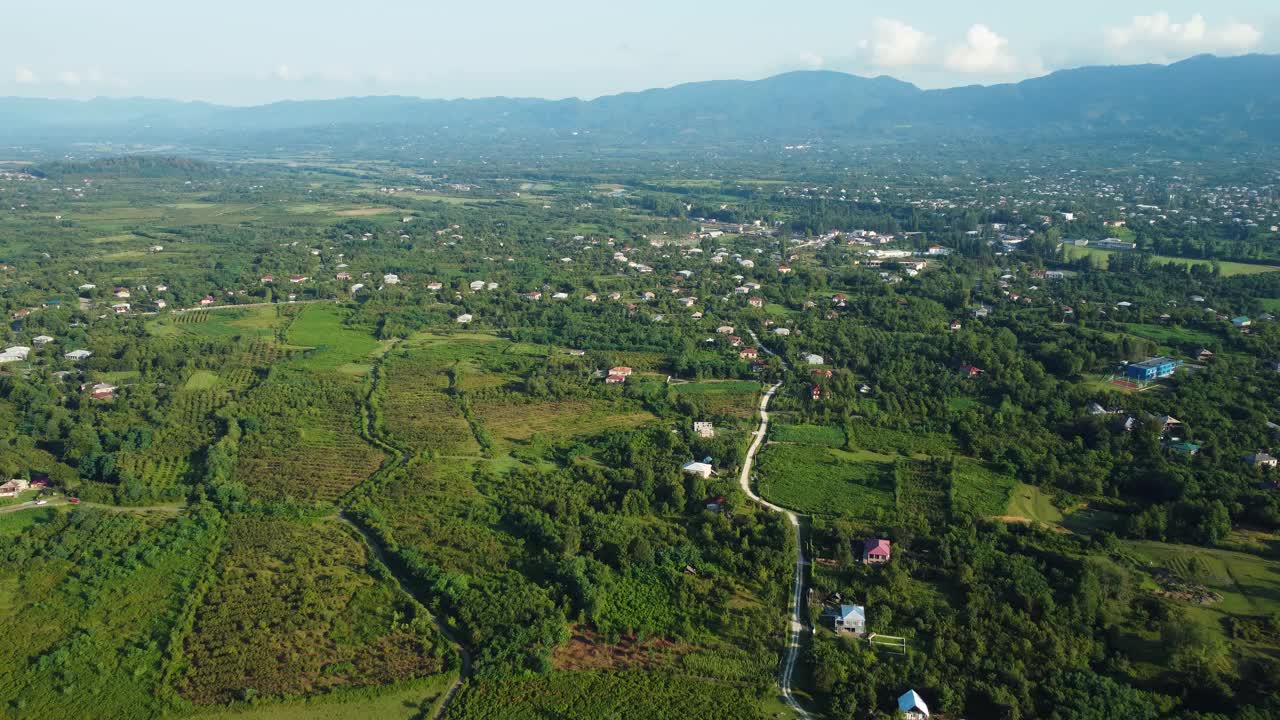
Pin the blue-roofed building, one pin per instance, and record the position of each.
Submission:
(851, 619)
(912, 706)
(1152, 369)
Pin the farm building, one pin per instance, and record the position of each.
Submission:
(876, 551)
(912, 706)
(701, 469)
(1152, 368)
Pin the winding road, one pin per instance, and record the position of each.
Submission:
(795, 625)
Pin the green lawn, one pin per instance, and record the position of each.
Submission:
(201, 380)
(1228, 268)
(1030, 502)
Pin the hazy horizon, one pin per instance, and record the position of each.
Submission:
(243, 53)
(196, 101)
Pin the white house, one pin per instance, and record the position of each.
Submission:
(13, 487)
(391, 279)
(912, 706)
(477, 285)
(41, 340)
(700, 469)
(813, 359)
(464, 318)
(704, 429)
(77, 355)
(851, 619)
(17, 353)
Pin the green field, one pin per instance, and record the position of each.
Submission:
(1033, 504)
(1170, 335)
(978, 490)
(201, 380)
(336, 346)
(807, 434)
(825, 481)
(1228, 268)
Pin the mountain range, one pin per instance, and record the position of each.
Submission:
(1205, 97)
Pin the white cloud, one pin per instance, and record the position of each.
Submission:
(69, 78)
(283, 72)
(983, 51)
(25, 76)
(812, 60)
(896, 44)
(1158, 38)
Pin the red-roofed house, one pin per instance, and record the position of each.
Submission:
(615, 379)
(748, 353)
(876, 551)
(620, 370)
(971, 370)
(756, 302)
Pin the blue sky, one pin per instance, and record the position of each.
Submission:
(242, 52)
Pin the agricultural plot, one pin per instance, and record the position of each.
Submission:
(303, 440)
(737, 399)
(978, 490)
(254, 322)
(427, 506)
(417, 408)
(173, 455)
(1248, 584)
(297, 610)
(1228, 268)
(511, 421)
(590, 695)
(825, 481)
(824, 436)
(404, 701)
(87, 601)
(922, 488)
(1179, 337)
(336, 347)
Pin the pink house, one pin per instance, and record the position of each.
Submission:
(875, 551)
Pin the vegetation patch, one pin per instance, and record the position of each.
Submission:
(299, 609)
(821, 481)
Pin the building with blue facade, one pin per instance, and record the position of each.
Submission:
(1152, 369)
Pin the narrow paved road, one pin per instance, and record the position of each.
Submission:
(795, 626)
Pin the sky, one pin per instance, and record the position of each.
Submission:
(243, 52)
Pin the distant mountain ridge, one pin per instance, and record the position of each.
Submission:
(1223, 98)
